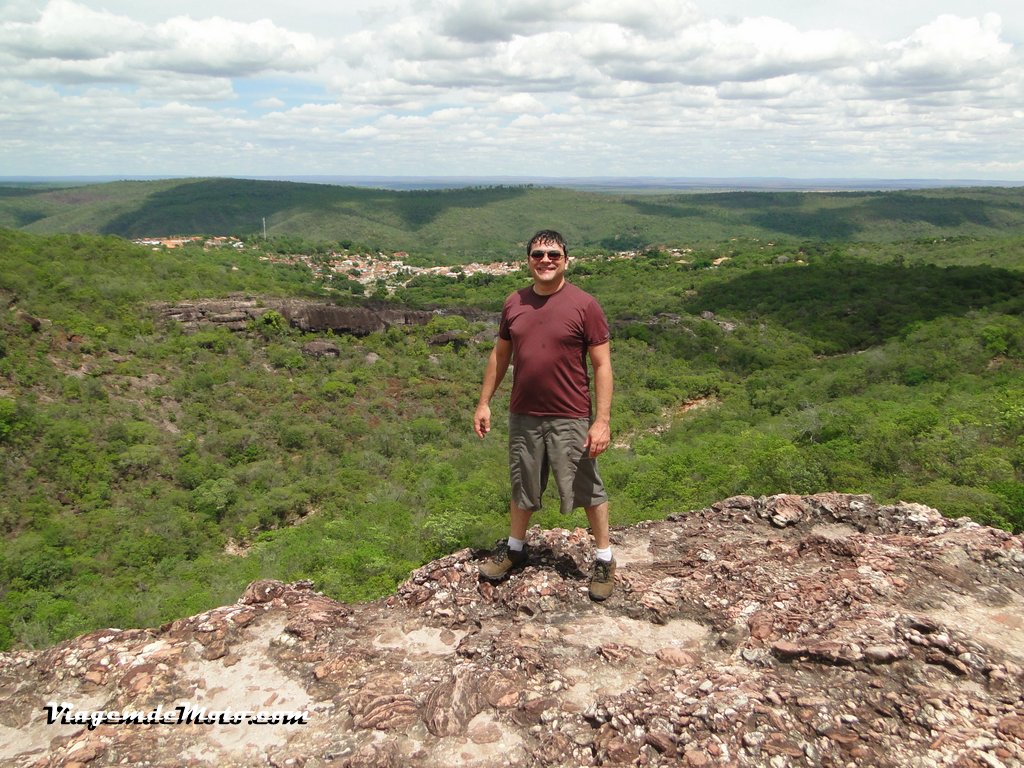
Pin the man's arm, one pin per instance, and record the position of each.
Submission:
(497, 365)
(600, 435)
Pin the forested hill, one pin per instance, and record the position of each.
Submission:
(470, 223)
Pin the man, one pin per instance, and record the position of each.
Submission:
(548, 330)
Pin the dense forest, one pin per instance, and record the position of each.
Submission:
(149, 471)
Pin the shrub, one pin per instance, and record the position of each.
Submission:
(337, 389)
(213, 498)
(138, 460)
(281, 356)
(217, 340)
(8, 419)
(293, 437)
(271, 324)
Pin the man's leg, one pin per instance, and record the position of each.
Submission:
(597, 516)
(580, 485)
(512, 553)
(520, 521)
(602, 581)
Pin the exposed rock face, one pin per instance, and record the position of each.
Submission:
(308, 316)
(781, 631)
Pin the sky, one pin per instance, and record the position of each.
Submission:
(873, 89)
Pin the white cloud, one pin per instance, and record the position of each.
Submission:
(489, 21)
(653, 18)
(156, 86)
(70, 42)
(364, 132)
(950, 53)
(712, 52)
(70, 31)
(518, 104)
(271, 102)
(222, 47)
(476, 21)
(771, 88)
(501, 86)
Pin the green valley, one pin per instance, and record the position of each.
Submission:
(763, 343)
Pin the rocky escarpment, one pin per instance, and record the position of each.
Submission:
(309, 316)
(785, 631)
(237, 313)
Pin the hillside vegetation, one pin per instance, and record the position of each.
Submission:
(472, 224)
(147, 472)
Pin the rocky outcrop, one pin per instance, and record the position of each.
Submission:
(320, 348)
(309, 316)
(784, 631)
(9, 301)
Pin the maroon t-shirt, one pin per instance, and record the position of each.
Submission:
(550, 336)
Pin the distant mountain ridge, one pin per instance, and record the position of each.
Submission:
(591, 183)
(467, 223)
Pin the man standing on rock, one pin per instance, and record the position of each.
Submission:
(547, 331)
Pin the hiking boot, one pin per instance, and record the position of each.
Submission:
(501, 562)
(602, 582)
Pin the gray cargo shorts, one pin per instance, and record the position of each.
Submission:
(537, 444)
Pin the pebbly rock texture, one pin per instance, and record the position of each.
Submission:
(784, 631)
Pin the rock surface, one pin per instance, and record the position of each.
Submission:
(785, 631)
(236, 314)
(309, 316)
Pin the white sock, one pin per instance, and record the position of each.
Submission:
(516, 545)
(603, 554)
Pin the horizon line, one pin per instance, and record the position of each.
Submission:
(583, 183)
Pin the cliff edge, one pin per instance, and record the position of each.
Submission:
(819, 630)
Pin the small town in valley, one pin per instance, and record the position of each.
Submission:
(366, 269)
(371, 269)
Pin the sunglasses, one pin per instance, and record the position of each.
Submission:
(553, 255)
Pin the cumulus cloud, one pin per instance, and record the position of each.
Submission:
(222, 47)
(502, 86)
(476, 22)
(71, 42)
(653, 18)
(485, 21)
(271, 102)
(66, 30)
(519, 104)
(712, 52)
(950, 53)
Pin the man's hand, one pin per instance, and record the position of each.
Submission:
(482, 420)
(599, 437)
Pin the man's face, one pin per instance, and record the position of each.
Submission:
(548, 271)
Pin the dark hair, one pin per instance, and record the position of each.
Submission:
(547, 235)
